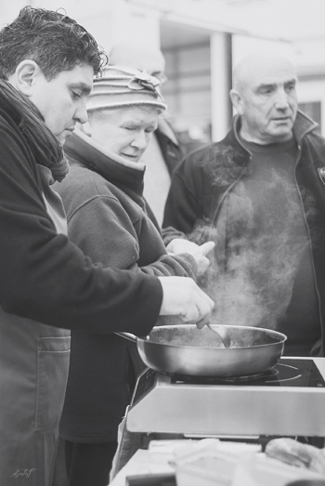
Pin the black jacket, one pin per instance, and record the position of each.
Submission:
(204, 177)
(43, 275)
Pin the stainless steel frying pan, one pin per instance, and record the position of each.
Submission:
(186, 350)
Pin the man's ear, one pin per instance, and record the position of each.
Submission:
(25, 75)
(236, 100)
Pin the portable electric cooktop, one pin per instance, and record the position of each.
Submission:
(287, 400)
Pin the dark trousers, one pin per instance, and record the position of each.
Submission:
(89, 464)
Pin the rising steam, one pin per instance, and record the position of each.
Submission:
(258, 251)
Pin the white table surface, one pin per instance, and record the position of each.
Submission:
(143, 462)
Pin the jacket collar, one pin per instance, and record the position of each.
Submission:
(302, 126)
(81, 150)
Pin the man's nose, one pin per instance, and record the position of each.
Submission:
(81, 115)
(281, 102)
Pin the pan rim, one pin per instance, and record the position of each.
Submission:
(281, 337)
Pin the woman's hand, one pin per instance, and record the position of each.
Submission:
(198, 252)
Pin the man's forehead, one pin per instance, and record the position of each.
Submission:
(279, 78)
(256, 70)
(81, 76)
(274, 73)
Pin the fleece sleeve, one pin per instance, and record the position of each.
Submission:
(103, 229)
(44, 276)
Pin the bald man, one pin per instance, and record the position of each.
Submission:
(264, 95)
(260, 193)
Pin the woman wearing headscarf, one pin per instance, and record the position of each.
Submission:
(111, 222)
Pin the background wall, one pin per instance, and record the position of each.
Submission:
(201, 41)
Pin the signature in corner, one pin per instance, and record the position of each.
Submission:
(23, 473)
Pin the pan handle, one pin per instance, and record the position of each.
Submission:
(127, 335)
(131, 337)
(161, 321)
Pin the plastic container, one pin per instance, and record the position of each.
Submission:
(208, 468)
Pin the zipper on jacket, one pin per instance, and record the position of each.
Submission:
(229, 189)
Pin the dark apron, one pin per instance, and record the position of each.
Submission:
(34, 365)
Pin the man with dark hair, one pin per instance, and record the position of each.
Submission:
(47, 285)
(54, 41)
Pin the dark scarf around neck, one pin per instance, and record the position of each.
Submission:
(44, 145)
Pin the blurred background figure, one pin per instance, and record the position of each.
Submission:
(164, 150)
